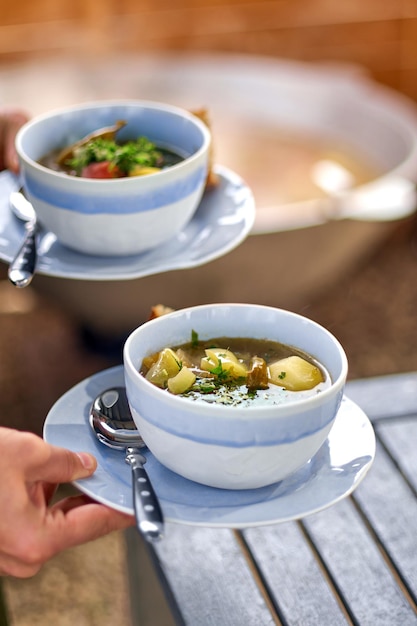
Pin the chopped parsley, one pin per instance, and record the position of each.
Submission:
(125, 157)
(194, 338)
(215, 391)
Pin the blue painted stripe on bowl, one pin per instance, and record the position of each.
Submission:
(263, 432)
(116, 204)
(243, 444)
(247, 442)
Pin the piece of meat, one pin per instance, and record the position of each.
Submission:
(258, 375)
(158, 310)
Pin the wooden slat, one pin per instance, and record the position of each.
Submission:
(365, 581)
(391, 508)
(400, 437)
(293, 576)
(385, 396)
(210, 579)
(148, 604)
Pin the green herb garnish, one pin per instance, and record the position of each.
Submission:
(125, 157)
(221, 373)
(194, 338)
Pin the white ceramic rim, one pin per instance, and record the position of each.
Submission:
(266, 412)
(151, 104)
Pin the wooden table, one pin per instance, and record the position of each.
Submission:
(354, 563)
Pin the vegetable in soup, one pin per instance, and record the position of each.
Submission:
(100, 155)
(235, 371)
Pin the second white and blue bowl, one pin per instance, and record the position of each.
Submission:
(123, 216)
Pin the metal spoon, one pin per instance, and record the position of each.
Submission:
(22, 268)
(112, 422)
(108, 132)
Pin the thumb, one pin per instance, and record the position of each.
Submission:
(62, 465)
(14, 121)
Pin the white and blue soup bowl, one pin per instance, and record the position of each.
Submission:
(115, 217)
(233, 447)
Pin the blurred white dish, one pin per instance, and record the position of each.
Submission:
(255, 100)
(222, 221)
(274, 106)
(336, 470)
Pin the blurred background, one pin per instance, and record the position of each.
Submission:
(380, 37)
(355, 276)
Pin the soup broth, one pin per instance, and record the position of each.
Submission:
(50, 160)
(237, 371)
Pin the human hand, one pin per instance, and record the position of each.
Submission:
(11, 119)
(31, 530)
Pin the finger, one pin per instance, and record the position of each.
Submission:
(39, 460)
(10, 566)
(59, 465)
(49, 490)
(41, 493)
(77, 521)
(13, 121)
(71, 502)
(69, 523)
(102, 519)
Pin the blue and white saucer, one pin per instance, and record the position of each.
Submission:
(332, 474)
(222, 221)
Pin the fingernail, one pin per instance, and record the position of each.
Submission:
(87, 460)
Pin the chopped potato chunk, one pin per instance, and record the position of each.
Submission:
(166, 366)
(150, 360)
(223, 360)
(181, 382)
(295, 374)
(140, 170)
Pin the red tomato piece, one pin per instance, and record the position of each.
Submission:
(101, 170)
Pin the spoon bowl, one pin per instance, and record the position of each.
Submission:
(112, 421)
(113, 425)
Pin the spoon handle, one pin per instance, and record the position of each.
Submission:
(22, 268)
(149, 517)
